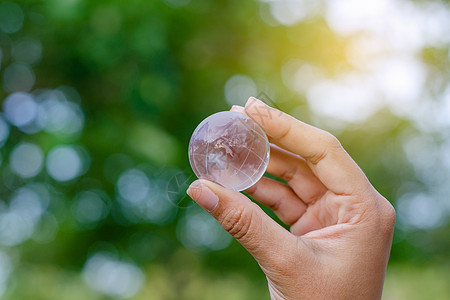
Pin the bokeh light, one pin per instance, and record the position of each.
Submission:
(27, 50)
(287, 12)
(201, 232)
(26, 160)
(64, 163)
(4, 131)
(18, 77)
(20, 109)
(133, 186)
(57, 114)
(11, 17)
(90, 207)
(108, 275)
(46, 230)
(19, 219)
(144, 199)
(238, 89)
(420, 211)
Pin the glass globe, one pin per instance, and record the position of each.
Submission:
(230, 149)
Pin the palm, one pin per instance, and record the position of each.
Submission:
(328, 210)
(305, 203)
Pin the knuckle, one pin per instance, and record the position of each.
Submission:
(330, 141)
(389, 213)
(252, 190)
(386, 215)
(289, 174)
(284, 130)
(237, 222)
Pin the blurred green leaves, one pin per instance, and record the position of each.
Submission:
(143, 74)
(153, 144)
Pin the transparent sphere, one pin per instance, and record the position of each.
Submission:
(229, 148)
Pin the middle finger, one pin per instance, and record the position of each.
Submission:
(294, 170)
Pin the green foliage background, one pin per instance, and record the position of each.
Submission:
(147, 74)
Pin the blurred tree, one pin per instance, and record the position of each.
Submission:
(99, 99)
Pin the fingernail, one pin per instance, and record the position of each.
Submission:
(203, 196)
(253, 100)
(238, 108)
(250, 100)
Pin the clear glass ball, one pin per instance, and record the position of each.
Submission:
(230, 149)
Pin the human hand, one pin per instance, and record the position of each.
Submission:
(340, 226)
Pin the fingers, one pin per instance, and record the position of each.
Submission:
(323, 152)
(244, 220)
(296, 172)
(293, 169)
(278, 197)
(238, 108)
(309, 221)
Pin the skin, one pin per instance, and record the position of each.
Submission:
(340, 227)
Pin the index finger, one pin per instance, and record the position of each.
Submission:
(323, 152)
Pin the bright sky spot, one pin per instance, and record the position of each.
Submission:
(349, 98)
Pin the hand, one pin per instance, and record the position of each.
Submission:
(340, 226)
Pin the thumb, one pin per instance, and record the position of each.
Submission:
(244, 220)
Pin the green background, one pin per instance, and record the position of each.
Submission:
(143, 74)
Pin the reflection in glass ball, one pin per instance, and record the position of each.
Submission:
(229, 148)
